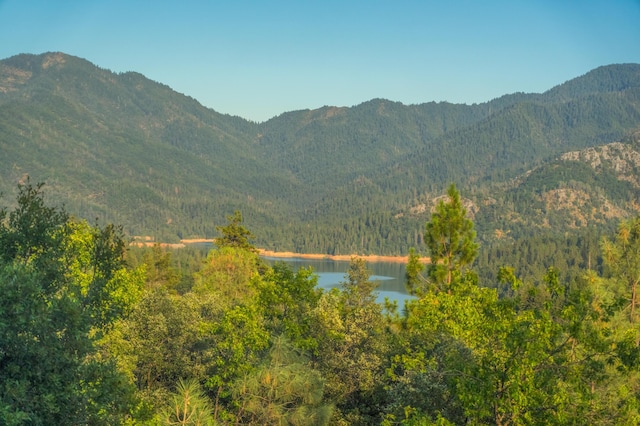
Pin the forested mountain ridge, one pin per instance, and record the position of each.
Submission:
(132, 151)
(122, 147)
(555, 215)
(580, 188)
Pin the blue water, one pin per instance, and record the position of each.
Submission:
(390, 277)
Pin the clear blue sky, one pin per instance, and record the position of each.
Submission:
(258, 59)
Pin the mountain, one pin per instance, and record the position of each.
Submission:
(122, 148)
(591, 186)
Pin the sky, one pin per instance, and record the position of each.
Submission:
(258, 59)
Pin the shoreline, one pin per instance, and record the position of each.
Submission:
(337, 257)
(291, 255)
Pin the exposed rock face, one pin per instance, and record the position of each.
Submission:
(576, 203)
(622, 158)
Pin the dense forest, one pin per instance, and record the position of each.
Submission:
(337, 180)
(95, 333)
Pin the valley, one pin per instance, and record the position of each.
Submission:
(495, 280)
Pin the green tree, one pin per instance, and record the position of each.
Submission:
(283, 391)
(63, 284)
(287, 300)
(158, 344)
(350, 331)
(212, 334)
(228, 272)
(158, 269)
(538, 354)
(234, 234)
(622, 256)
(488, 361)
(237, 342)
(188, 406)
(233, 329)
(450, 239)
(551, 353)
(416, 283)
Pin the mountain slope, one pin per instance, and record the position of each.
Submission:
(125, 149)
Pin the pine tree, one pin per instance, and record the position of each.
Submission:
(234, 234)
(450, 239)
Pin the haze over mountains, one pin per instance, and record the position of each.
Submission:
(125, 149)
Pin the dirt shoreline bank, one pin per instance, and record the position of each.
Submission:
(292, 255)
(338, 258)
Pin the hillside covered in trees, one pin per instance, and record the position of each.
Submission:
(336, 180)
(94, 334)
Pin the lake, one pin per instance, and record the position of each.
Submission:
(390, 276)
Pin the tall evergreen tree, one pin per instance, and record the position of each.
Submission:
(622, 256)
(234, 234)
(450, 239)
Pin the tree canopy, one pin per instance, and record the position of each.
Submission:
(63, 285)
(450, 241)
(87, 338)
(234, 234)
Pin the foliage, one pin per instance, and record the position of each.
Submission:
(235, 235)
(63, 285)
(415, 281)
(287, 300)
(284, 390)
(190, 406)
(507, 361)
(570, 254)
(157, 344)
(622, 257)
(158, 266)
(537, 354)
(83, 342)
(450, 239)
(350, 331)
(228, 272)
